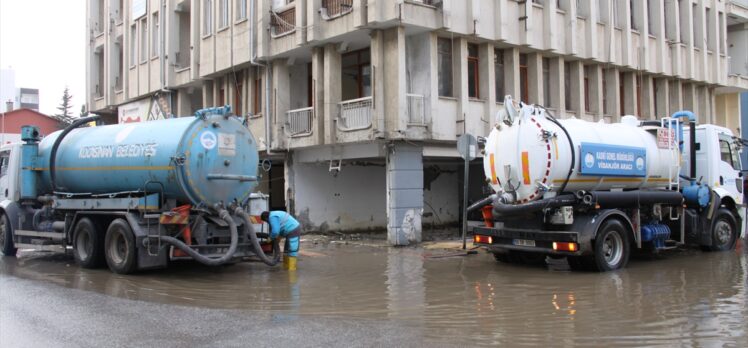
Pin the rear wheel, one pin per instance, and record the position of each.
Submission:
(611, 248)
(88, 244)
(724, 231)
(6, 237)
(120, 247)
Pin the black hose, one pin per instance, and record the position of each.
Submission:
(551, 118)
(225, 216)
(481, 203)
(53, 152)
(501, 208)
(256, 242)
(633, 199)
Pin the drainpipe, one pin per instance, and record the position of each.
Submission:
(162, 55)
(268, 73)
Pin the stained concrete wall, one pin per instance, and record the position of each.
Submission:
(440, 195)
(352, 200)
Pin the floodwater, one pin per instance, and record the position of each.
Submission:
(684, 298)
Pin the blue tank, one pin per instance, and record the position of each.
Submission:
(198, 160)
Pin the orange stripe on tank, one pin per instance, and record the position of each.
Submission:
(526, 167)
(491, 162)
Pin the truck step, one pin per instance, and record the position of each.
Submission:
(58, 236)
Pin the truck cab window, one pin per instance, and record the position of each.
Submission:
(728, 153)
(4, 157)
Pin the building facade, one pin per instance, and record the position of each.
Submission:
(359, 102)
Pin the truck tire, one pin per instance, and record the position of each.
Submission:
(119, 247)
(611, 248)
(724, 231)
(88, 244)
(6, 237)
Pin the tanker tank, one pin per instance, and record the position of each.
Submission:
(531, 155)
(198, 160)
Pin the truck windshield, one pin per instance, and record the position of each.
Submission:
(4, 157)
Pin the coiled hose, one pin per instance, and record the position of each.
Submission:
(225, 216)
(256, 242)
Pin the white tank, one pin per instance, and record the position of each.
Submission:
(529, 155)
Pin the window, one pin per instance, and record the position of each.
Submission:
(238, 79)
(257, 96)
(617, 20)
(473, 64)
(241, 9)
(183, 59)
(605, 95)
(721, 32)
(562, 5)
(671, 9)
(498, 62)
(156, 36)
(120, 65)
(221, 92)
(133, 45)
(444, 48)
(583, 9)
(633, 10)
(696, 33)
(547, 82)
(144, 40)
(356, 74)
(587, 70)
(710, 39)
(223, 14)
(523, 79)
(639, 95)
(4, 161)
(207, 17)
(728, 153)
(650, 16)
(567, 85)
(655, 98)
(683, 13)
(622, 99)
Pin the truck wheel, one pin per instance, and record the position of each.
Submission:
(88, 246)
(120, 247)
(611, 249)
(724, 231)
(6, 237)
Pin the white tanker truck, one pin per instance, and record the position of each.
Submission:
(594, 192)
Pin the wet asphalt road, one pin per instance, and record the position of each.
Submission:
(364, 294)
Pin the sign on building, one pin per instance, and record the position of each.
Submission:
(149, 109)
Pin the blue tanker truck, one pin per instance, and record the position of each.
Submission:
(135, 196)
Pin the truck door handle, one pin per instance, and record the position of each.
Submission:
(721, 180)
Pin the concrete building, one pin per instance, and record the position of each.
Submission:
(27, 98)
(359, 102)
(11, 122)
(7, 88)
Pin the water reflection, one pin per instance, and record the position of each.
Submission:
(686, 298)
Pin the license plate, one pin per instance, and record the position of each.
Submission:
(524, 242)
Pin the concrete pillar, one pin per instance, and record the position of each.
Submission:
(404, 193)
(377, 66)
(318, 93)
(689, 101)
(612, 95)
(576, 83)
(557, 98)
(184, 105)
(511, 72)
(332, 95)
(487, 85)
(535, 78)
(629, 93)
(596, 90)
(208, 93)
(647, 95)
(661, 97)
(675, 96)
(280, 101)
(395, 84)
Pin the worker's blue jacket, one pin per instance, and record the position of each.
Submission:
(281, 223)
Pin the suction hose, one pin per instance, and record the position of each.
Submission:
(501, 207)
(53, 152)
(225, 216)
(256, 242)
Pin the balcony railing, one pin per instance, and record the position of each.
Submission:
(283, 22)
(299, 122)
(355, 114)
(336, 8)
(416, 109)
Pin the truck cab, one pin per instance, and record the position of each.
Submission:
(717, 162)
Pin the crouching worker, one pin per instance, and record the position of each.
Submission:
(282, 224)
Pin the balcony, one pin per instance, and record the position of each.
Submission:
(283, 23)
(332, 9)
(355, 114)
(416, 109)
(299, 122)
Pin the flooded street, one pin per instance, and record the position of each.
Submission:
(687, 297)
